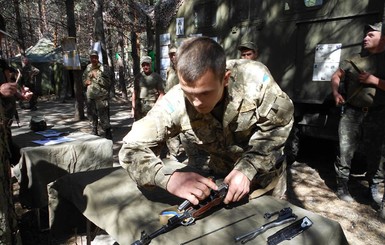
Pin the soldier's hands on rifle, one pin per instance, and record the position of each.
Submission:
(190, 186)
(239, 186)
(367, 78)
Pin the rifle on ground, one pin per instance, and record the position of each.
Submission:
(187, 214)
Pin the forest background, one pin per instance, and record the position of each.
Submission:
(126, 29)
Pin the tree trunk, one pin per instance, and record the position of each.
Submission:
(8, 223)
(5, 200)
(76, 76)
(43, 17)
(122, 68)
(19, 27)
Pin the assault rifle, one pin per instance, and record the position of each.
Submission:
(186, 215)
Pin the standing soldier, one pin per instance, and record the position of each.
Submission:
(97, 80)
(364, 112)
(172, 77)
(28, 76)
(148, 88)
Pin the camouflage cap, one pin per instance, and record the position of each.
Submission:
(172, 49)
(145, 59)
(374, 27)
(247, 45)
(94, 53)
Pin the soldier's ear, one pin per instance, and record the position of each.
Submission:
(226, 78)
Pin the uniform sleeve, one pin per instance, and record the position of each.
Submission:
(85, 74)
(274, 121)
(105, 77)
(136, 154)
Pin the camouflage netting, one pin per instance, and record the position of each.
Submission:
(162, 12)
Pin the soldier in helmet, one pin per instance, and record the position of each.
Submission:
(96, 78)
(239, 116)
(148, 88)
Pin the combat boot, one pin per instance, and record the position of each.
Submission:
(108, 134)
(374, 193)
(343, 191)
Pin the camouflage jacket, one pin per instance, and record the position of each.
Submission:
(172, 78)
(27, 74)
(257, 119)
(100, 81)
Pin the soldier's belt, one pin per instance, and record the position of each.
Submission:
(366, 108)
(147, 101)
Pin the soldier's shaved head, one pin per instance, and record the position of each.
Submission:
(198, 55)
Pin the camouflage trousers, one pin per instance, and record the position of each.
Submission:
(99, 110)
(358, 127)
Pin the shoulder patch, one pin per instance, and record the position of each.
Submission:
(266, 78)
(165, 103)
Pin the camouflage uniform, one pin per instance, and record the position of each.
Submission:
(28, 72)
(172, 78)
(257, 118)
(146, 88)
(7, 214)
(9, 108)
(363, 119)
(97, 96)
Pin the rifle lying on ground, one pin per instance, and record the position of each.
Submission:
(186, 215)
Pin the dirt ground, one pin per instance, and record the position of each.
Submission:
(311, 181)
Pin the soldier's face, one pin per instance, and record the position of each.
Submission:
(146, 67)
(248, 54)
(205, 92)
(372, 40)
(94, 59)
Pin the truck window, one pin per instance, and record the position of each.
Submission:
(245, 10)
(205, 14)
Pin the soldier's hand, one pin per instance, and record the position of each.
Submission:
(190, 186)
(88, 82)
(239, 186)
(368, 78)
(339, 99)
(8, 89)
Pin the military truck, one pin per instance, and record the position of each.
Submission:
(302, 42)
